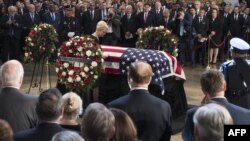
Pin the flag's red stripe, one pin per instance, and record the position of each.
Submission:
(178, 68)
(112, 71)
(112, 50)
(112, 59)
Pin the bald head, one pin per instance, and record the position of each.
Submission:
(140, 73)
(11, 73)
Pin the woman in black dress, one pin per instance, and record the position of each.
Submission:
(101, 30)
(215, 33)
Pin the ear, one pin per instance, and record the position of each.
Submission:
(224, 85)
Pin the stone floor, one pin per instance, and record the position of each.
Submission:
(192, 86)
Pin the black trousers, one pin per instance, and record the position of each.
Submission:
(11, 48)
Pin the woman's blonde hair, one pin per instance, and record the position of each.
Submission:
(72, 103)
(101, 26)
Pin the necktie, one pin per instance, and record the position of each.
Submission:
(128, 17)
(92, 15)
(32, 17)
(181, 29)
(146, 16)
(235, 17)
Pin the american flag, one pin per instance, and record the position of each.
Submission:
(118, 59)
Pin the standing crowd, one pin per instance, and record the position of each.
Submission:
(202, 27)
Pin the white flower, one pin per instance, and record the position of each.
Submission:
(66, 65)
(78, 79)
(57, 70)
(31, 44)
(97, 53)
(64, 73)
(39, 28)
(86, 69)
(26, 54)
(79, 48)
(35, 29)
(70, 51)
(88, 53)
(172, 40)
(94, 63)
(95, 76)
(92, 72)
(156, 28)
(68, 43)
(161, 27)
(70, 80)
(71, 72)
(29, 39)
(83, 74)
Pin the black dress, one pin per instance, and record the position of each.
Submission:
(216, 26)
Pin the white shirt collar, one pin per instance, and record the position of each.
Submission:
(138, 88)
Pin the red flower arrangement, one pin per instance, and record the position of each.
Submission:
(157, 38)
(40, 43)
(79, 64)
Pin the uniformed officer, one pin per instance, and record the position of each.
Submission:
(237, 74)
(69, 25)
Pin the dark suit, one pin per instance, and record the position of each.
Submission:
(29, 22)
(216, 26)
(49, 19)
(43, 132)
(18, 109)
(128, 25)
(167, 23)
(151, 115)
(200, 27)
(89, 23)
(142, 22)
(12, 37)
(157, 17)
(239, 115)
(235, 25)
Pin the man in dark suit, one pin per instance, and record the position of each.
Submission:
(52, 17)
(128, 27)
(146, 18)
(236, 23)
(114, 32)
(12, 25)
(49, 110)
(16, 107)
(200, 26)
(90, 19)
(213, 86)
(151, 115)
(167, 22)
(30, 19)
(158, 16)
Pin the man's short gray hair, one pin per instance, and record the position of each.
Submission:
(67, 136)
(209, 121)
(98, 123)
(11, 73)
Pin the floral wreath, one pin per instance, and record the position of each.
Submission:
(40, 43)
(157, 38)
(79, 64)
